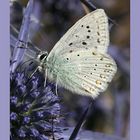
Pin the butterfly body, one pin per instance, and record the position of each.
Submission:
(79, 61)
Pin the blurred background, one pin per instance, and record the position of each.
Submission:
(50, 21)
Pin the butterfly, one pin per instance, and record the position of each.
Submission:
(79, 61)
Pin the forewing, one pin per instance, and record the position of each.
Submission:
(85, 72)
(91, 31)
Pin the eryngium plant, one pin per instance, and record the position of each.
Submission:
(34, 109)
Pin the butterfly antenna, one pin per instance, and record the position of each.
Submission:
(92, 7)
(20, 66)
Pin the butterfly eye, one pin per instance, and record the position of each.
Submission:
(42, 56)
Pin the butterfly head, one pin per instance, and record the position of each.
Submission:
(42, 57)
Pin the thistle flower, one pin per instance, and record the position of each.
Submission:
(35, 110)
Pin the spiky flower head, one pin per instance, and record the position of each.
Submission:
(34, 109)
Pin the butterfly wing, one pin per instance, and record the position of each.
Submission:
(79, 61)
(83, 71)
(91, 31)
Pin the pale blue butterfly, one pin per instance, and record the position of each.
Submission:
(79, 61)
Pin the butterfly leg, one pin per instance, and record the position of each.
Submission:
(56, 89)
(38, 68)
(46, 73)
(34, 72)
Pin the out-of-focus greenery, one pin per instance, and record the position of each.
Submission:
(50, 20)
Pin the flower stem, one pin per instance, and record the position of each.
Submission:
(21, 44)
